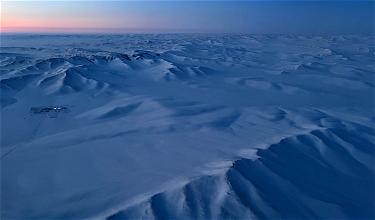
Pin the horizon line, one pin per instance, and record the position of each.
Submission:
(166, 33)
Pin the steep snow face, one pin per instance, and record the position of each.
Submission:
(187, 127)
(302, 176)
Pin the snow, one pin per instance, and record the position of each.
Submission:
(187, 126)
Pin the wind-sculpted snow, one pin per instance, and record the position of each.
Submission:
(187, 127)
(321, 174)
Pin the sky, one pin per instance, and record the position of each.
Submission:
(262, 16)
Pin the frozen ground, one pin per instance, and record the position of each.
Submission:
(187, 126)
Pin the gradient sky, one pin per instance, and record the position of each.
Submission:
(189, 16)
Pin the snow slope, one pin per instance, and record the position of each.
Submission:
(187, 126)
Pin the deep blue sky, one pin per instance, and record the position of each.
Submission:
(190, 16)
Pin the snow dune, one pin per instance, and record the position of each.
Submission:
(187, 127)
(284, 182)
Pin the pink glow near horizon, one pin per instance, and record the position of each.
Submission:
(59, 16)
(224, 16)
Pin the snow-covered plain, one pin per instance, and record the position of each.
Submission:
(187, 126)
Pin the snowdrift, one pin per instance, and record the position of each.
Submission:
(187, 127)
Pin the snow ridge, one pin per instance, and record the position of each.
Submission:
(284, 182)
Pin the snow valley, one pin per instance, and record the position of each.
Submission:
(187, 126)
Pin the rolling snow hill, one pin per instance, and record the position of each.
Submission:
(187, 126)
